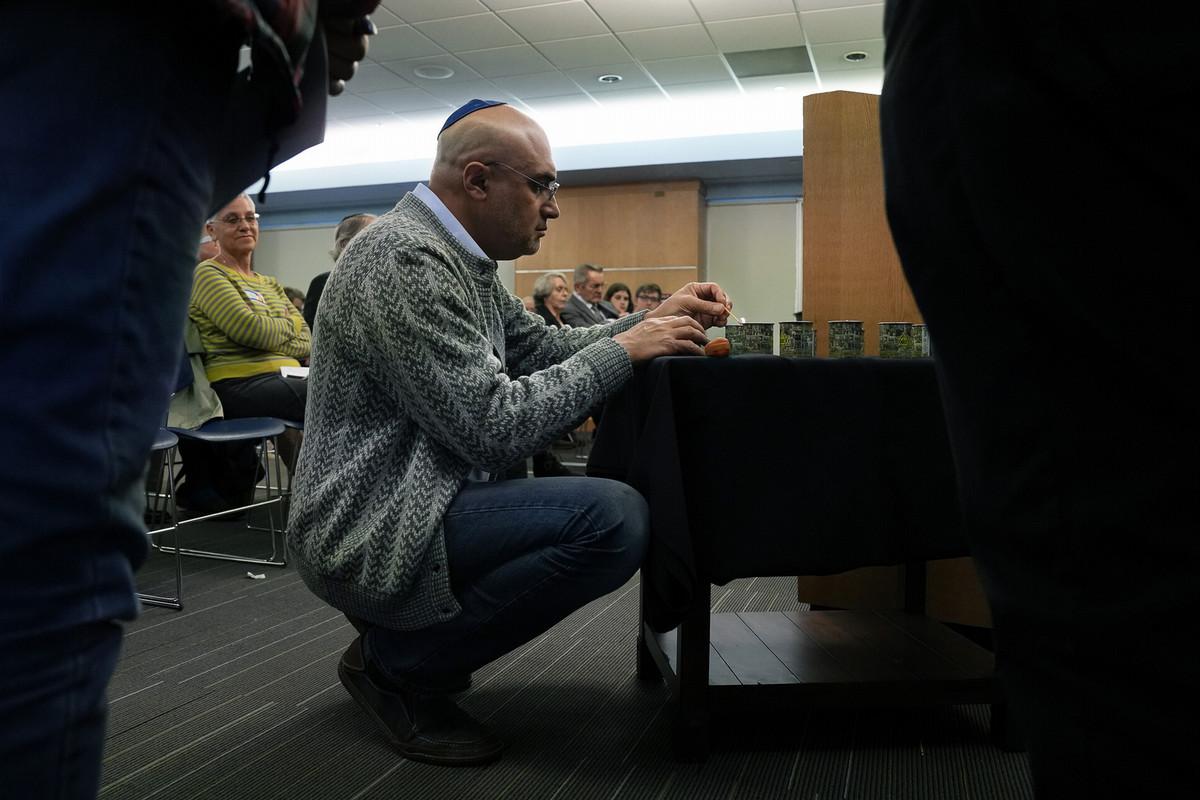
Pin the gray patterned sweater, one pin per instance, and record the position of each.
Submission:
(424, 367)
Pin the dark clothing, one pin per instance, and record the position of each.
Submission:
(270, 395)
(545, 314)
(104, 190)
(1059, 358)
(579, 314)
(312, 298)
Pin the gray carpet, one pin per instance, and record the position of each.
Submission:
(236, 696)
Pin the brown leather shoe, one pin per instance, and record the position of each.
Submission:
(423, 726)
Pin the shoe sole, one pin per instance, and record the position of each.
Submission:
(407, 749)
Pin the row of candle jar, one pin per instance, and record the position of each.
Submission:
(799, 339)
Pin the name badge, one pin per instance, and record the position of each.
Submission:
(255, 297)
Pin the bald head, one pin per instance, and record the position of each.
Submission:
(493, 172)
(498, 133)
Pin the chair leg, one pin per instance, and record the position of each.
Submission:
(274, 499)
(167, 465)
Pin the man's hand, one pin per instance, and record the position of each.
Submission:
(346, 44)
(664, 336)
(706, 303)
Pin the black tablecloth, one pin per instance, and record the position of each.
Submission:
(760, 465)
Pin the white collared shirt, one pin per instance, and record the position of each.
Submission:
(426, 196)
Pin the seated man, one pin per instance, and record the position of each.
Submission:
(647, 297)
(583, 307)
(429, 377)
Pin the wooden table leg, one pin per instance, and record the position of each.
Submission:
(692, 697)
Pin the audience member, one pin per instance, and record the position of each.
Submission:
(346, 230)
(583, 306)
(431, 377)
(550, 294)
(1060, 358)
(617, 301)
(249, 328)
(648, 297)
(110, 170)
(296, 297)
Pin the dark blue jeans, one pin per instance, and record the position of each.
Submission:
(105, 179)
(522, 555)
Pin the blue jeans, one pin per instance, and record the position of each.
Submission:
(522, 555)
(104, 183)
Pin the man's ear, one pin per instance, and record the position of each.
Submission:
(475, 180)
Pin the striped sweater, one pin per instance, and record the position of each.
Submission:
(409, 391)
(247, 324)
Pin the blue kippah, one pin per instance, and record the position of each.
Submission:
(470, 107)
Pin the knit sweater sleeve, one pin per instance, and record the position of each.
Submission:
(532, 345)
(217, 298)
(423, 321)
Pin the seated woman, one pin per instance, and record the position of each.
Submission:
(550, 295)
(249, 327)
(619, 298)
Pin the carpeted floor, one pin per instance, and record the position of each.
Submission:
(236, 697)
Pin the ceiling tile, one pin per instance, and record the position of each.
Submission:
(469, 33)
(698, 69)
(405, 69)
(561, 21)
(783, 86)
(620, 97)
(820, 5)
(374, 78)
(632, 77)
(405, 41)
(843, 24)
(688, 91)
(673, 42)
(828, 57)
(384, 18)
(406, 100)
(500, 62)
(632, 15)
(347, 106)
(425, 10)
(585, 51)
(578, 100)
(869, 81)
(458, 93)
(757, 33)
(505, 5)
(714, 10)
(543, 84)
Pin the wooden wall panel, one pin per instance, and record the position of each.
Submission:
(635, 227)
(851, 270)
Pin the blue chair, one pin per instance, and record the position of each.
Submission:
(160, 507)
(263, 431)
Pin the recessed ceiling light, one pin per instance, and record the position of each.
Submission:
(433, 72)
(610, 79)
(855, 56)
(781, 88)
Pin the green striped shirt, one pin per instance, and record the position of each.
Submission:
(247, 324)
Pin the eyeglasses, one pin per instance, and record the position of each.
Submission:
(539, 188)
(233, 219)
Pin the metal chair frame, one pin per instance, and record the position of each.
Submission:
(165, 443)
(217, 431)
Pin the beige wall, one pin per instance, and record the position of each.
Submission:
(751, 250)
(296, 255)
(753, 255)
